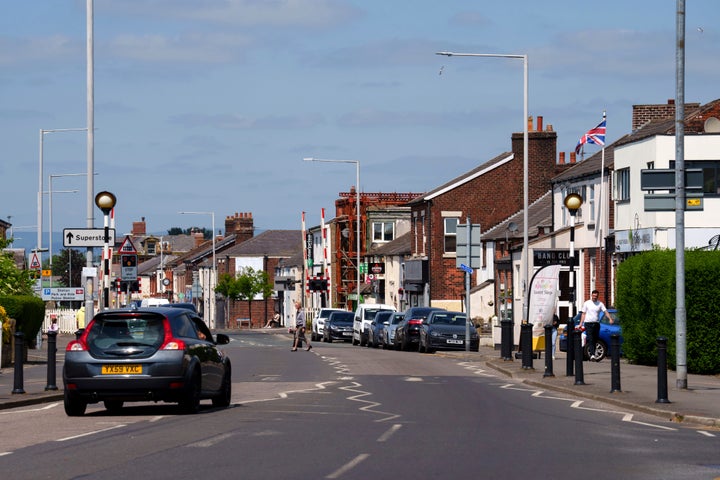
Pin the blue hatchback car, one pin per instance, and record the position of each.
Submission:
(602, 346)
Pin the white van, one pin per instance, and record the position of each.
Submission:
(364, 315)
(154, 302)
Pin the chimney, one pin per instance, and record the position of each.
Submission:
(139, 228)
(199, 239)
(562, 158)
(530, 123)
(539, 123)
(572, 157)
(241, 225)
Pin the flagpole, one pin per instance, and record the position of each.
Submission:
(602, 187)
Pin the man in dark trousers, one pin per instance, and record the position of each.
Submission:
(300, 327)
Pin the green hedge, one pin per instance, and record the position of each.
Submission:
(28, 312)
(646, 304)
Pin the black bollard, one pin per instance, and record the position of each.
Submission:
(526, 345)
(615, 363)
(578, 351)
(570, 348)
(506, 328)
(548, 352)
(19, 351)
(51, 361)
(662, 385)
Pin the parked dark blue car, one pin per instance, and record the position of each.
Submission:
(602, 346)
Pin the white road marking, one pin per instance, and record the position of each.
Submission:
(89, 433)
(209, 442)
(707, 434)
(348, 466)
(46, 407)
(385, 436)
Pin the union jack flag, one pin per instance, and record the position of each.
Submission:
(595, 135)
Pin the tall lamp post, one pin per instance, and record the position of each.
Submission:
(526, 253)
(357, 213)
(213, 281)
(106, 201)
(40, 179)
(572, 202)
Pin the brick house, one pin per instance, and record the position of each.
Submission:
(488, 194)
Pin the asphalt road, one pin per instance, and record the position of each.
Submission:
(348, 412)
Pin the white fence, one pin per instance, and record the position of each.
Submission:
(65, 318)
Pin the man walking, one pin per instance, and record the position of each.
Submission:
(590, 319)
(300, 327)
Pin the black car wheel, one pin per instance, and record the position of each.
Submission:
(113, 406)
(74, 407)
(601, 350)
(421, 347)
(190, 404)
(405, 345)
(224, 398)
(363, 340)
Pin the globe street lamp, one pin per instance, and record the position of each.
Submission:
(106, 201)
(357, 213)
(572, 202)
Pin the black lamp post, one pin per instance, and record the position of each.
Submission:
(105, 201)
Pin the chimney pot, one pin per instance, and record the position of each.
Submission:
(562, 158)
(572, 157)
(539, 123)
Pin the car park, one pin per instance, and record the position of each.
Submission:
(146, 354)
(445, 330)
(602, 345)
(407, 333)
(387, 339)
(318, 322)
(364, 315)
(377, 326)
(339, 326)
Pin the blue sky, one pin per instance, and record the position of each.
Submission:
(210, 105)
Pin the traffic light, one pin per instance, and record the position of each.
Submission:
(318, 285)
(129, 260)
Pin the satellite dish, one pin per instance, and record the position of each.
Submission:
(712, 125)
(512, 226)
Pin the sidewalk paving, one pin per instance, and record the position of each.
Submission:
(698, 404)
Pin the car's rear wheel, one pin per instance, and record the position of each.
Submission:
(190, 404)
(601, 350)
(421, 348)
(74, 407)
(224, 398)
(113, 406)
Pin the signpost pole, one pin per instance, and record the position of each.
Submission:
(467, 286)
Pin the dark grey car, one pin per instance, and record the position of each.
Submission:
(146, 354)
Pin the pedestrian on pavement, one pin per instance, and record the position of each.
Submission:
(300, 327)
(80, 318)
(555, 325)
(590, 319)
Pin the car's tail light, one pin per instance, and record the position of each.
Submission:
(415, 321)
(80, 345)
(171, 343)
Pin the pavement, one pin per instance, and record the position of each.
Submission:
(698, 404)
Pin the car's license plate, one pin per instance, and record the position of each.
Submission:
(128, 369)
(455, 342)
(347, 334)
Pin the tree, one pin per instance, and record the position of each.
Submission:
(248, 284)
(13, 280)
(207, 234)
(69, 262)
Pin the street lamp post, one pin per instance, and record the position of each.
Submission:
(357, 213)
(572, 202)
(105, 201)
(40, 179)
(213, 281)
(526, 253)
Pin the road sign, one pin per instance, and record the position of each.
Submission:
(664, 179)
(74, 294)
(46, 273)
(665, 202)
(87, 237)
(465, 268)
(475, 247)
(127, 247)
(128, 270)
(35, 262)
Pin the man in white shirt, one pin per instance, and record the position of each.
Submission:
(590, 319)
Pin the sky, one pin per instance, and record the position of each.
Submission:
(211, 105)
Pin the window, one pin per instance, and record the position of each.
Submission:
(591, 203)
(451, 224)
(622, 184)
(152, 247)
(383, 231)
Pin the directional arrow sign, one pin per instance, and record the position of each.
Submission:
(87, 237)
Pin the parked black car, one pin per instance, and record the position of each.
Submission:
(338, 326)
(158, 354)
(443, 330)
(377, 326)
(407, 333)
(387, 339)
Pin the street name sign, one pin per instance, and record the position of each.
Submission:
(465, 268)
(87, 237)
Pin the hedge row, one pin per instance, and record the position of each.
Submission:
(646, 295)
(28, 312)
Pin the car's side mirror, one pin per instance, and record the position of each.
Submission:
(222, 339)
